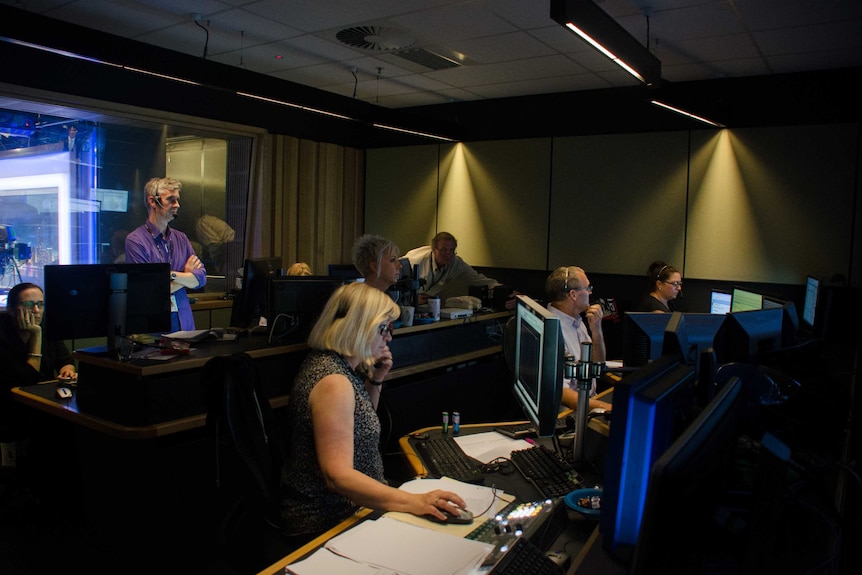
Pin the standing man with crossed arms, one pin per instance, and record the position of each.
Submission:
(156, 242)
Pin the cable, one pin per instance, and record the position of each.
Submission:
(207, 41)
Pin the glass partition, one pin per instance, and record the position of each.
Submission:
(71, 188)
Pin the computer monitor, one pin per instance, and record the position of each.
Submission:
(78, 300)
(539, 361)
(789, 319)
(295, 302)
(745, 335)
(250, 305)
(345, 272)
(651, 408)
(643, 334)
(744, 300)
(689, 335)
(812, 298)
(720, 302)
(684, 492)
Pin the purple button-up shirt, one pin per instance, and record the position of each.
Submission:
(175, 248)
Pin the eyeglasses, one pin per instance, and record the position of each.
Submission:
(588, 288)
(32, 304)
(385, 327)
(446, 251)
(676, 284)
(169, 200)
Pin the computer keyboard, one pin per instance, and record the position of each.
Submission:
(524, 558)
(443, 457)
(549, 473)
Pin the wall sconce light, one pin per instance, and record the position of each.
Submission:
(602, 32)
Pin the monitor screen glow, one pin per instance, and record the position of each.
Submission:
(809, 309)
(744, 300)
(720, 302)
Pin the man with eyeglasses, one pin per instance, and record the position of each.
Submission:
(568, 290)
(445, 273)
(156, 242)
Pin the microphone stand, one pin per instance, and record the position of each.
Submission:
(584, 371)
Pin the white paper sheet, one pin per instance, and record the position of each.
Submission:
(408, 549)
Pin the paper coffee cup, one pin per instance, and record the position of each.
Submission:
(434, 307)
(407, 312)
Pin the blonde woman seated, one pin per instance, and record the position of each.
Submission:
(299, 269)
(334, 464)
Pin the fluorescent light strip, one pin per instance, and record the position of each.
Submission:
(414, 132)
(247, 95)
(292, 105)
(618, 61)
(689, 114)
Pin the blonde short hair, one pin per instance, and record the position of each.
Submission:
(299, 269)
(350, 320)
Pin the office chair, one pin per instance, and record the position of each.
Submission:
(249, 453)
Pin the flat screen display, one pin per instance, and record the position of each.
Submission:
(539, 360)
(720, 302)
(809, 308)
(744, 300)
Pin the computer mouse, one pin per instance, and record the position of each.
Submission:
(463, 517)
(64, 392)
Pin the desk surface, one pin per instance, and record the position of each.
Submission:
(257, 346)
(44, 398)
(578, 538)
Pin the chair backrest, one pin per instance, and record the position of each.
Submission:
(241, 420)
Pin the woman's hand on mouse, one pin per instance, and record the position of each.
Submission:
(434, 502)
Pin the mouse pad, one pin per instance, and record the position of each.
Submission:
(478, 497)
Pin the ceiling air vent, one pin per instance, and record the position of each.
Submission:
(428, 59)
(396, 42)
(375, 38)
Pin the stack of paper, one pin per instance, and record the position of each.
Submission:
(403, 544)
(391, 546)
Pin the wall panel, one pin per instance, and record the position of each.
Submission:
(494, 199)
(771, 204)
(618, 202)
(403, 202)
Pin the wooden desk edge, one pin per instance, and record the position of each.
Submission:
(278, 566)
(443, 362)
(117, 429)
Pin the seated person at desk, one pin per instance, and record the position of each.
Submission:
(569, 290)
(334, 464)
(299, 269)
(665, 285)
(444, 272)
(377, 259)
(28, 358)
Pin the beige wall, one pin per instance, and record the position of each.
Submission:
(760, 205)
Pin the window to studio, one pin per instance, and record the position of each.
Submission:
(71, 188)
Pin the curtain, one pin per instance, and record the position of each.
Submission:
(306, 201)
